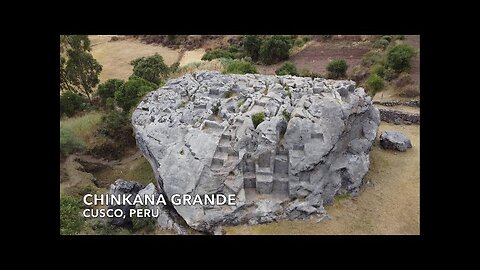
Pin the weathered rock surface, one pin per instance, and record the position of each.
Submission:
(198, 135)
(395, 140)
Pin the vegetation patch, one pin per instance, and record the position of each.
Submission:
(337, 68)
(71, 221)
(288, 68)
(258, 118)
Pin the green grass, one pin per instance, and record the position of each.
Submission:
(83, 127)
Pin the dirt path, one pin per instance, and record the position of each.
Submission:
(390, 205)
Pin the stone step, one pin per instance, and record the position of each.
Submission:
(217, 162)
(298, 147)
(280, 184)
(249, 180)
(281, 164)
(264, 183)
(264, 170)
(226, 137)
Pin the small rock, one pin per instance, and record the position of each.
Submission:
(395, 140)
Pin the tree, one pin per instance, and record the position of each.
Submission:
(107, 89)
(71, 103)
(151, 68)
(131, 91)
(275, 49)
(251, 45)
(78, 69)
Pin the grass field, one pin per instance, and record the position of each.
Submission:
(83, 127)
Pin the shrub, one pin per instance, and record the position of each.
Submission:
(151, 68)
(107, 89)
(68, 142)
(229, 94)
(307, 73)
(374, 84)
(116, 125)
(251, 45)
(288, 68)
(390, 74)
(71, 221)
(239, 67)
(379, 70)
(232, 52)
(131, 91)
(337, 68)
(299, 42)
(275, 49)
(286, 115)
(71, 103)
(174, 67)
(403, 80)
(371, 58)
(387, 38)
(288, 92)
(306, 38)
(409, 91)
(258, 118)
(399, 57)
(381, 43)
(400, 37)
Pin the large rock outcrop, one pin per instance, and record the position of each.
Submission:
(198, 135)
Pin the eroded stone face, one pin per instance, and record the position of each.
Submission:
(198, 135)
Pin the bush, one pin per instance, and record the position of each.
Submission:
(258, 118)
(403, 80)
(288, 68)
(374, 84)
(239, 67)
(116, 125)
(390, 74)
(107, 89)
(387, 38)
(174, 67)
(251, 45)
(337, 68)
(381, 43)
(68, 142)
(132, 91)
(409, 91)
(399, 57)
(151, 68)
(286, 115)
(379, 70)
(71, 103)
(275, 49)
(371, 58)
(232, 52)
(71, 221)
